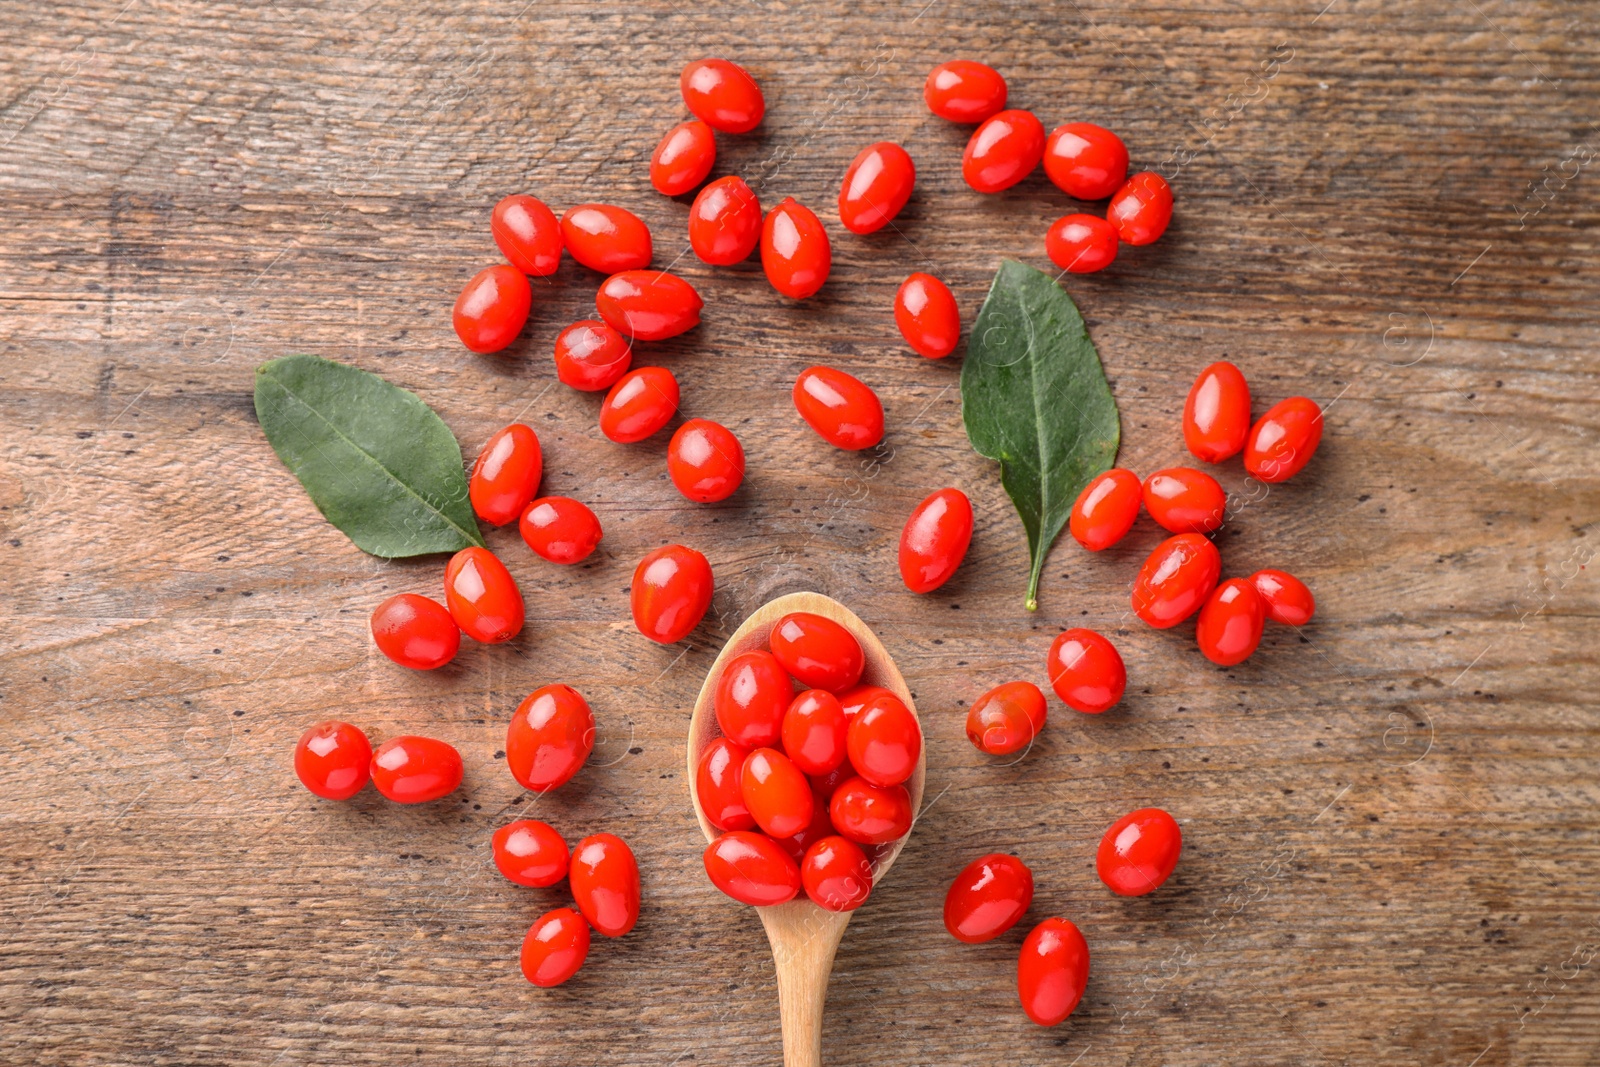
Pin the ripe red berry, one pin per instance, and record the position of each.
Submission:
(549, 738)
(1003, 151)
(415, 631)
(795, 253)
(1287, 599)
(814, 732)
(415, 770)
(776, 793)
(816, 651)
(482, 596)
(642, 401)
(606, 238)
(1216, 416)
(527, 233)
(1138, 852)
(752, 696)
(1185, 500)
(560, 529)
(671, 592)
(591, 355)
(605, 883)
(1175, 580)
(1104, 512)
(819, 827)
(683, 158)
(719, 785)
(884, 742)
(870, 814)
(987, 898)
(333, 760)
(492, 309)
(1284, 439)
(752, 868)
(964, 91)
(555, 947)
(648, 305)
(926, 312)
(723, 95)
(1229, 627)
(506, 475)
(530, 852)
(1086, 671)
(843, 410)
(1007, 718)
(705, 461)
(935, 539)
(1052, 970)
(725, 222)
(876, 186)
(1086, 161)
(1081, 244)
(852, 700)
(1142, 208)
(836, 874)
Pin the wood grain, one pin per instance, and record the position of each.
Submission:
(1390, 831)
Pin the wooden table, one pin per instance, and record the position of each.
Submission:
(1391, 851)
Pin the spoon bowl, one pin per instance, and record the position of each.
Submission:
(804, 937)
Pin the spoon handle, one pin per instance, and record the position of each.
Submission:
(804, 939)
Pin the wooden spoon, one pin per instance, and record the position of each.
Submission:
(804, 937)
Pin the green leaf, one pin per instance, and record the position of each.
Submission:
(376, 460)
(1034, 397)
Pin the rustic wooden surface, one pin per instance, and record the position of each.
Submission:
(1391, 851)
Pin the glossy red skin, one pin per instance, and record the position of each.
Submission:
(416, 632)
(492, 308)
(752, 869)
(683, 158)
(876, 186)
(819, 827)
(987, 898)
(1104, 512)
(964, 91)
(1287, 598)
(605, 883)
(1142, 208)
(795, 253)
(751, 699)
(606, 238)
(884, 742)
(560, 529)
(1184, 500)
(816, 651)
(482, 596)
(333, 759)
(506, 475)
(935, 539)
(825, 785)
(725, 222)
(590, 355)
(814, 732)
(705, 461)
(1175, 580)
(1052, 970)
(642, 402)
(1086, 161)
(719, 785)
(843, 409)
(776, 793)
(527, 234)
(926, 312)
(1216, 416)
(1003, 151)
(648, 305)
(852, 700)
(530, 852)
(671, 591)
(1283, 440)
(836, 874)
(549, 737)
(1138, 852)
(1007, 718)
(870, 814)
(1086, 671)
(1081, 244)
(723, 95)
(1229, 628)
(414, 770)
(554, 948)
